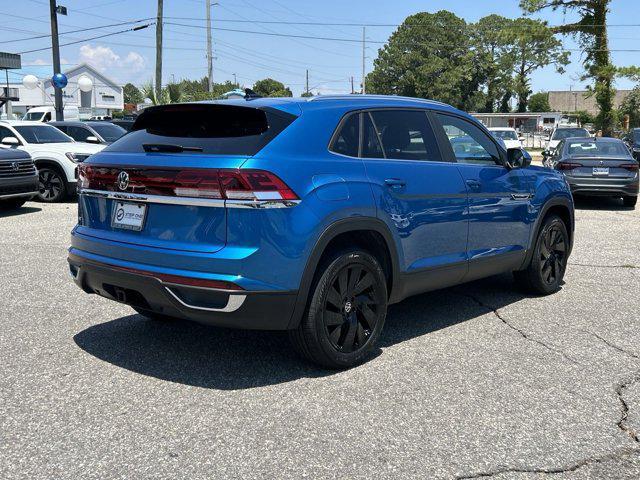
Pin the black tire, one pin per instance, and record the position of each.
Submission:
(151, 315)
(52, 186)
(345, 312)
(630, 201)
(12, 204)
(548, 263)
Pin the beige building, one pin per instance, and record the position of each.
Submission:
(578, 100)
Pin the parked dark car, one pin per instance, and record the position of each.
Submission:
(18, 178)
(91, 132)
(632, 140)
(598, 166)
(124, 123)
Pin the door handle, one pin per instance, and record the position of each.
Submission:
(394, 182)
(520, 196)
(473, 184)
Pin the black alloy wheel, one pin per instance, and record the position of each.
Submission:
(346, 310)
(545, 271)
(553, 254)
(51, 185)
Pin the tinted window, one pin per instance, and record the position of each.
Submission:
(597, 148)
(5, 132)
(79, 134)
(213, 128)
(370, 142)
(42, 134)
(406, 135)
(504, 134)
(561, 133)
(636, 135)
(346, 140)
(469, 143)
(109, 132)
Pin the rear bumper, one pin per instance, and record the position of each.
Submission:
(603, 186)
(224, 308)
(18, 187)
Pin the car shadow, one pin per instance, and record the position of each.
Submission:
(600, 203)
(224, 359)
(18, 211)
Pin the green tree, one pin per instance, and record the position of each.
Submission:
(429, 56)
(539, 102)
(307, 94)
(493, 48)
(631, 106)
(132, 94)
(533, 46)
(591, 33)
(269, 87)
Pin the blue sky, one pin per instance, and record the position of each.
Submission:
(131, 56)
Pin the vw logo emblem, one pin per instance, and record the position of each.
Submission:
(15, 166)
(123, 180)
(347, 307)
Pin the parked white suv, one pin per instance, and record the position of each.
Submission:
(55, 154)
(508, 135)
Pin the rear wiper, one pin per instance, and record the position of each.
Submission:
(168, 148)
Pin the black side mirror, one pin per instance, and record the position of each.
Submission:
(518, 158)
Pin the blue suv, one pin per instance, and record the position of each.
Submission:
(311, 215)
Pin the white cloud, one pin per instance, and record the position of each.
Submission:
(37, 61)
(103, 58)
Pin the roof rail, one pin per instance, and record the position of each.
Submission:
(373, 96)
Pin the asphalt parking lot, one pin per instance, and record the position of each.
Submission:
(471, 382)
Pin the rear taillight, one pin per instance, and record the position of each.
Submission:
(632, 167)
(568, 165)
(227, 184)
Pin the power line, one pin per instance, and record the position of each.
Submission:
(75, 31)
(134, 29)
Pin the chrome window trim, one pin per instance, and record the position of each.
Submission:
(189, 201)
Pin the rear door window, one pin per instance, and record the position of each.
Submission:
(406, 135)
(345, 142)
(371, 147)
(212, 128)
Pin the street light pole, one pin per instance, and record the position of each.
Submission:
(209, 49)
(159, 52)
(55, 48)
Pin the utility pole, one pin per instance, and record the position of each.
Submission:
(55, 48)
(307, 87)
(209, 48)
(158, 52)
(235, 80)
(352, 85)
(364, 87)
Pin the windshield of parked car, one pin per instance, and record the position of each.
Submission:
(32, 116)
(636, 135)
(42, 134)
(562, 133)
(505, 134)
(109, 132)
(595, 148)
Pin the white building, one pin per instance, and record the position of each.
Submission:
(524, 122)
(105, 97)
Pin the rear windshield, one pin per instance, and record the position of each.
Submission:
(562, 133)
(601, 149)
(505, 134)
(205, 128)
(109, 131)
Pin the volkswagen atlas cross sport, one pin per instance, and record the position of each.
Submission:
(311, 216)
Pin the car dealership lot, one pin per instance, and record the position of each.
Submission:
(473, 381)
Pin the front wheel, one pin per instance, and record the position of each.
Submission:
(630, 201)
(51, 185)
(346, 311)
(548, 262)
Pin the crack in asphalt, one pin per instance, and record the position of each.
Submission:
(521, 332)
(621, 387)
(629, 266)
(551, 471)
